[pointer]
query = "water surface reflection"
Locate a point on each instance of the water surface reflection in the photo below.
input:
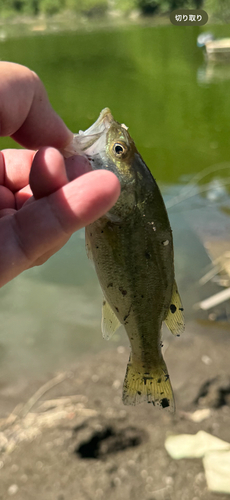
(148, 77)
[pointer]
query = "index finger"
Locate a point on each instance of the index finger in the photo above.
(25, 111)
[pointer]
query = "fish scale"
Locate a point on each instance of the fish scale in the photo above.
(132, 250)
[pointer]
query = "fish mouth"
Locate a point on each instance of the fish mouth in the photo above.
(92, 140)
(101, 124)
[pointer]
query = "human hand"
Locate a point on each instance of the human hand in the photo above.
(43, 199)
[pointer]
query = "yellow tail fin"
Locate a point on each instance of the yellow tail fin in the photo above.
(153, 387)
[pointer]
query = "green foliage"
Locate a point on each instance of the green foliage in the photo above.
(51, 6)
(88, 7)
(149, 7)
(125, 5)
(12, 5)
(218, 9)
(96, 7)
(19, 7)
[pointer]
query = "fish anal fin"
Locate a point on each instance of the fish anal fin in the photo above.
(109, 322)
(175, 317)
(152, 387)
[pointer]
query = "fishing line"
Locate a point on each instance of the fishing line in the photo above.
(192, 184)
(226, 182)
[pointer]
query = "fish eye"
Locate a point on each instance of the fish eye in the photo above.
(119, 149)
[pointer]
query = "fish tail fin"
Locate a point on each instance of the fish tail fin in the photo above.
(153, 387)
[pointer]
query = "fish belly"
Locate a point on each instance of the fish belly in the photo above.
(136, 274)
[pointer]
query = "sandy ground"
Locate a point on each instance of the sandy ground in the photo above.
(83, 444)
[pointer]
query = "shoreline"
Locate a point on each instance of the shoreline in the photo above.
(72, 22)
(77, 439)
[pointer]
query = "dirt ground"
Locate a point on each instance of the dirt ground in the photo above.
(77, 441)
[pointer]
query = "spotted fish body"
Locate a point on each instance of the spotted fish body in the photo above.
(132, 250)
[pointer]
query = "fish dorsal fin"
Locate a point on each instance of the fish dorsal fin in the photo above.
(109, 321)
(175, 318)
(88, 245)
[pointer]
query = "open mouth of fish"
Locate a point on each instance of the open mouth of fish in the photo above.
(92, 140)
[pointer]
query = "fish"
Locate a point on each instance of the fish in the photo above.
(131, 247)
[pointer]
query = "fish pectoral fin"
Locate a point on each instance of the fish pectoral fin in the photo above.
(175, 317)
(88, 245)
(152, 387)
(109, 321)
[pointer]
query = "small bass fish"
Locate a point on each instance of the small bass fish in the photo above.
(132, 250)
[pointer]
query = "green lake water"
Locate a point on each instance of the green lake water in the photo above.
(177, 107)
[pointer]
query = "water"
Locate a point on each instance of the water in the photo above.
(177, 108)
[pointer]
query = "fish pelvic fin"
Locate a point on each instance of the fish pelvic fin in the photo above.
(109, 322)
(152, 386)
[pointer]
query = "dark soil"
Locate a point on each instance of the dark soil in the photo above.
(118, 452)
